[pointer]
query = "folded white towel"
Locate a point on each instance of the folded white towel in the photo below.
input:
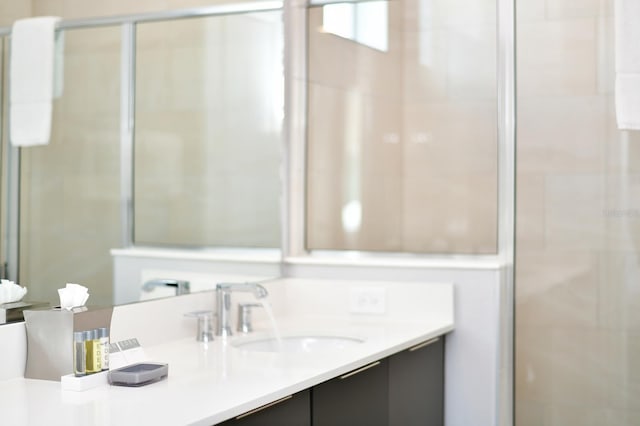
(627, 51)
(31, 80)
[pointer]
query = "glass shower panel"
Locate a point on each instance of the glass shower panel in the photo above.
(70, 189)
(402, 138)
(209, 110)
(577, 354)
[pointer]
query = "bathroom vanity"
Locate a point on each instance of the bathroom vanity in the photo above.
(403, 389)
(384, 368)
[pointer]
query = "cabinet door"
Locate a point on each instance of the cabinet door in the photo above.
(359, 398)
(290, 411)
(416, 385)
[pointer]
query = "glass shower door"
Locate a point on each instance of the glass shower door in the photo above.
(208, 136)
(70, 188)
(577, 353)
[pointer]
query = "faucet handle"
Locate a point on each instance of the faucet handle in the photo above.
(244, 316)
(205, 325)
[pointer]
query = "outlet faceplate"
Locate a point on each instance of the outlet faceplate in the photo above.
(367, 300)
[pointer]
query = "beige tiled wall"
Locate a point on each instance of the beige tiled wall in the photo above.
(578, 218)
(10, 10)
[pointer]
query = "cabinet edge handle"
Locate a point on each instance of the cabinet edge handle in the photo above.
(359, 370)
(264, 407)
(423, 344)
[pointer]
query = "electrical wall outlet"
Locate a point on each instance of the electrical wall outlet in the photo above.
(367, 300)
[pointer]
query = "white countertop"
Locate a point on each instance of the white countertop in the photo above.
(209, 383)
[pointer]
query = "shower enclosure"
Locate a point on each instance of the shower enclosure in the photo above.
(577, 351)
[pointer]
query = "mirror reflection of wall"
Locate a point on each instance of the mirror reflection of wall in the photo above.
(402, 137)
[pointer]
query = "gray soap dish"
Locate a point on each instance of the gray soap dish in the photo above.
(139, 374)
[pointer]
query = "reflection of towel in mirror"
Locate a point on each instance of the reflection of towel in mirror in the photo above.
(627, 51)
(31, 80)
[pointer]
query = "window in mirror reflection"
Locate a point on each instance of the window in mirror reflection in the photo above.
(365, 23)
(209, 110)
(402, 140)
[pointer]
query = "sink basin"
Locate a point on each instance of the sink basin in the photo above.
(298, 344)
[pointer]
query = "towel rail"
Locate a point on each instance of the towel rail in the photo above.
(214, 10)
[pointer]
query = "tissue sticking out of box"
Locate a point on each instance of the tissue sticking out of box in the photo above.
(72, 296)
(11, 292)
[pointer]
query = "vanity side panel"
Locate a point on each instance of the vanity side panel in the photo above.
(14, 359)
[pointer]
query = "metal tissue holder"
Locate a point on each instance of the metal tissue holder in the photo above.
(50, 338)
(13, 311)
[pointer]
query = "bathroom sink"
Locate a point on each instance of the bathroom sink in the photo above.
(298, 344)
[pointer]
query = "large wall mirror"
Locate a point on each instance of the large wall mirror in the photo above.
(207, 146)
(400, 122)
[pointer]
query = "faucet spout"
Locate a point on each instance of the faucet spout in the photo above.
(181, 286)
(223, 302)
(258, 291)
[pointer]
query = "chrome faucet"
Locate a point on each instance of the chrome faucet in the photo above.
(223, 302)
(182, 287)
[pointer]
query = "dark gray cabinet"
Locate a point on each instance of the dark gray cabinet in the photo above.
(290, 411)
(358, 398)
(416, 385)
(405, 389)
